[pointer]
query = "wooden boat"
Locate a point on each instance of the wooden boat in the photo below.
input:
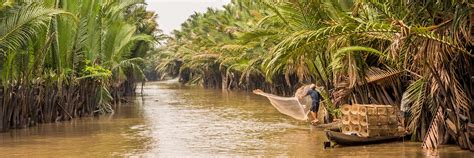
(350, 140)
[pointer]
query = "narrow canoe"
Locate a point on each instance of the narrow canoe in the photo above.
(351, 140)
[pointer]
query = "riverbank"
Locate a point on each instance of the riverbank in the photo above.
(23, 106)
(171, 120)
(61, 60)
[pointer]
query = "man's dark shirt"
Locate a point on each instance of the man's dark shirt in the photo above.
(315, 96)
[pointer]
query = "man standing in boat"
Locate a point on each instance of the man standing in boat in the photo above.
(315, 98)
(291, 106)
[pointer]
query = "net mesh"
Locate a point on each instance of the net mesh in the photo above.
(297, 106)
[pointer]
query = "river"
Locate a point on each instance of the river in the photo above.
(170, 120)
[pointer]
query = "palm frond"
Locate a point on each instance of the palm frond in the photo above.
(431, 140)
(413, 100)
(20, 27)
(343, 52)
(376, 75)
(104, 99)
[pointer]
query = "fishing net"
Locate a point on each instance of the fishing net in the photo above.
(297, 106)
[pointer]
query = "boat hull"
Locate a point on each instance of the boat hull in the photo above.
(350, 140)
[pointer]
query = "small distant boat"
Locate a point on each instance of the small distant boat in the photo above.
(351, 140)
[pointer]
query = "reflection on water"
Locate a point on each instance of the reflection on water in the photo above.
(170, 120)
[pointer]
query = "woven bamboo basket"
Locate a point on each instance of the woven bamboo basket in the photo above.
(362, 111)
(355, 109)
(369, 120)
(346, 109)
(346, 129)
(363, 120)
(354, 119)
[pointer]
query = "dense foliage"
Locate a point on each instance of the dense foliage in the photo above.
(61, 59)
(415, 55)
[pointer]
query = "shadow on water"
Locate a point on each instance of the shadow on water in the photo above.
(174, 120)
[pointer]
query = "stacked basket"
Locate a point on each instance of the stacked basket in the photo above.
(369, 120)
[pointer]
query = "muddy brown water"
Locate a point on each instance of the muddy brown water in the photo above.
(171, 120)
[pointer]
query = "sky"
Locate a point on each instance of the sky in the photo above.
(172, 13)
